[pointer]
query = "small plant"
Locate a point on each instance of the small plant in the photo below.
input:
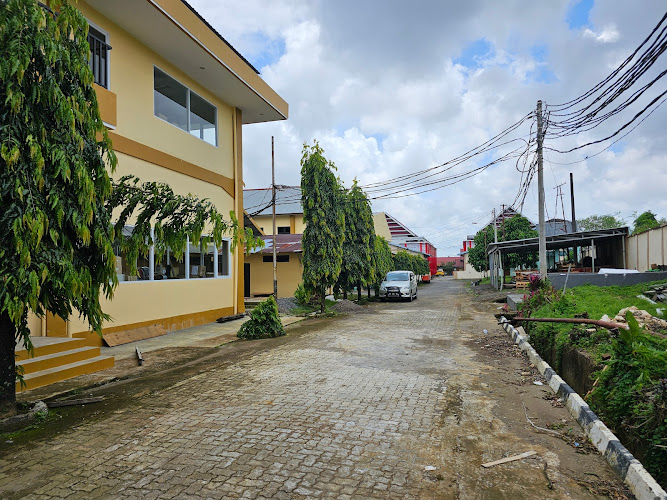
(264, 322)
(302, 296)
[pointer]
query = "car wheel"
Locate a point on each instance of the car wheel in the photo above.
(410, 299)
(415, 295)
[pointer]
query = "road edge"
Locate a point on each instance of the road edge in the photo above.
(641, 483)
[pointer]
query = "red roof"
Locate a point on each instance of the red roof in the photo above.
(285, 243)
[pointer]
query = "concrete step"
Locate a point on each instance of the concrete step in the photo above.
(64, 372)
(44, 362)
(48, 345)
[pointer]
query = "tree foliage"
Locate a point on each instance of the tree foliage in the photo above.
(404, 261)
(56, 237)
(644, 222)
(56, 232)
(516, 228)
(324, 234)
(597, 222)
(356, 267)
(382, 260)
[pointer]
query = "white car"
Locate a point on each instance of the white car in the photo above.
(399, 285)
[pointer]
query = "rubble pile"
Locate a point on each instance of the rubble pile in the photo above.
(657, 293)
(644, 318)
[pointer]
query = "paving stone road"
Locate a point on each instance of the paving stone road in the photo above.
(354, 407)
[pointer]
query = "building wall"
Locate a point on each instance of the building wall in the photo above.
(381, 226)
(261, 275)
(468, 272)
(154, 150)
(294, 221)
(647, 249)
(131, 79)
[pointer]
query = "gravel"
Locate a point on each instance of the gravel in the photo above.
(286, 304)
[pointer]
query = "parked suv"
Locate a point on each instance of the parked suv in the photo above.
(399, 285)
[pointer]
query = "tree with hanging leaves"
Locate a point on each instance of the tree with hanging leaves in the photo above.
(382, 263)
(56, 230)
(356, 267)
(324, 234)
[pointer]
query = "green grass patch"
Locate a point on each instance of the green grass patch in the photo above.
(631, 396)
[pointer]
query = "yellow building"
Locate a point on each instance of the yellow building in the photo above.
(258, 268)
(174, 96)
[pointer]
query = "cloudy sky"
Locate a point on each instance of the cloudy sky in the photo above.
(391, 87)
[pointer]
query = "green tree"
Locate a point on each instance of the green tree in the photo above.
(402, 261)
(56, 234)
(382, 262)
(516, 228)
(323, 215)
(419, 265)
(596, 222)
(644, 222)
(356, 267)
(448, 268)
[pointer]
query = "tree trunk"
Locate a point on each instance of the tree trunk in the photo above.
(358, 292)
(323, 300)
(369, 291)
(7, 366)
(345, 293)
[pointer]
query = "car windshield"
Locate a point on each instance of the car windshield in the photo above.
(398, 277)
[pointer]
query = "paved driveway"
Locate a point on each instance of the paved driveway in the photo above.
(405, 400)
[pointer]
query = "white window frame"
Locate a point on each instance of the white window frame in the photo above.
(187, 101)
(186, 259)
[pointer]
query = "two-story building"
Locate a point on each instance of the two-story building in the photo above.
(174, 95)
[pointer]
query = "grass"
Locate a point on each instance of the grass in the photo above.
(595, 302)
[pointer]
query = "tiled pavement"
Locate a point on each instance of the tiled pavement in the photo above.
(350, 410)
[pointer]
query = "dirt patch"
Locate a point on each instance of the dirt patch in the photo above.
(347, 306)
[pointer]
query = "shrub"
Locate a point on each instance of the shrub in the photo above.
(302, 296)
(632, 394)
(264, 322)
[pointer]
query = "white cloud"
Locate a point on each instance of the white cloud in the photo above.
(606, 35)
(377, 86)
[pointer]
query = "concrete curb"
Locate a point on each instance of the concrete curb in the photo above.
(641, 483)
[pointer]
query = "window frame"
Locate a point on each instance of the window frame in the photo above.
(186, 259)
(107, 37)
(187, 108)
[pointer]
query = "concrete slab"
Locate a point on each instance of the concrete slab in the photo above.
(209, 335)
(514, 299)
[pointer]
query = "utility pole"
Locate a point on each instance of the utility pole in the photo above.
(495, 240)
(273, 187)
(542, 254)
(574, 219)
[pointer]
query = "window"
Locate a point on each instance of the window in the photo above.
(283, 230)
(223, 259)
(178, 105)
(279, 258)
(99, 56)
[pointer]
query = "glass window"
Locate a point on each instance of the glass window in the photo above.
(202, 119)
(171, 100)
(201, 260)
(223, 259)
(178, 105)
(169, 268)
(99, 56)
(283, 230)
(279, 258)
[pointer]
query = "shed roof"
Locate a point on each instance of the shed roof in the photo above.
(558, 241)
